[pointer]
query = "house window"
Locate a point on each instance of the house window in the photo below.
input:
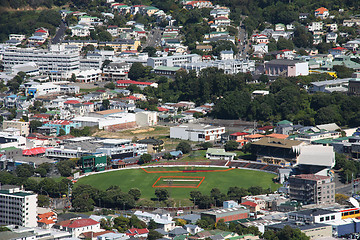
(321, 219)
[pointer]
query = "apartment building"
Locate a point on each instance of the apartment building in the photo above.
(230, 66)
(116, 71)
(312, 189)
(17, 207)
(22, 126)
(171, 61)
(55, 59)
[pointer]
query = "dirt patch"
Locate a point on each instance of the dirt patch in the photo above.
(143, 130)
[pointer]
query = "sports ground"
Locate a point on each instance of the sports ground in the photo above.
(180, 181)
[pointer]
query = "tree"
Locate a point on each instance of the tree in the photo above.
(73, 78)
(152, 225)
(65, 167)
(121, 223)
(106, 104)
(135, 192)
(43, 201)
(153, 235)
(302, 38)
(151, 51)
(145, 158)
(162, 194)
(287, 233)
(137, 71)
(342, 71)
(180, 222)
(184, 147)
(110, 85)
(34, 124)
(231, 145)
(205, 202)
(83, 203)
(341, 198)
(218, 196)
(205, 145)
(41, 171)
(62, 132)
(24, 170)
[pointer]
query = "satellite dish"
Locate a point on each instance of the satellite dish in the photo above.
(354, 202)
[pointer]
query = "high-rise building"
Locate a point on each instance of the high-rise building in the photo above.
(58, 61)
(312, 189)
(17, 207)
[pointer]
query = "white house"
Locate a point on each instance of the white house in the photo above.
(78, 226)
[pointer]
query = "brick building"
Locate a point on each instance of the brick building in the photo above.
(228, 214)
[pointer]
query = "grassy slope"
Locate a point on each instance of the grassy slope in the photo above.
(127, 179)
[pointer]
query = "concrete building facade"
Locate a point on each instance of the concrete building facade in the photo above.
(17, 207)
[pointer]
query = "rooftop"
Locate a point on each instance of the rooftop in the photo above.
(310, 177)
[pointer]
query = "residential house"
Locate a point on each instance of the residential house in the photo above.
(331, 37)
(78, 226)
(322, 13)
(338, 51)
(116, 71)
(222, 21)
(260, 38)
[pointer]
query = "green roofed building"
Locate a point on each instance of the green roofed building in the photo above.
(96, 162)
(219, 154)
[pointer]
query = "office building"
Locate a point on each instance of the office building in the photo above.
(312, 189)
(17, 207)
(197, 132)
(121, 148)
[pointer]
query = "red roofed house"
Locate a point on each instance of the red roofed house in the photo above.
(260, 38)
(338, 51)
(161, 109)
(253, 207)
(47, 220)
(222, 21)
(321, 13)
(136, 232)
(265, 129)
(238, 136)
(141, 85)
(93, 235)
(78, 226)
(40, 117)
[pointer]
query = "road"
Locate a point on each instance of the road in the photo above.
(154, 38)
(243, 43)
(59, 34)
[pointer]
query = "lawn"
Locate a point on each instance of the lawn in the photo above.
(138, 178)
(195, 156)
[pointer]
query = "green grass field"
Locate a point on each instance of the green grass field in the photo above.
(138, 178)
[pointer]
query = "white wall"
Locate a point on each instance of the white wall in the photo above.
(179, 132)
